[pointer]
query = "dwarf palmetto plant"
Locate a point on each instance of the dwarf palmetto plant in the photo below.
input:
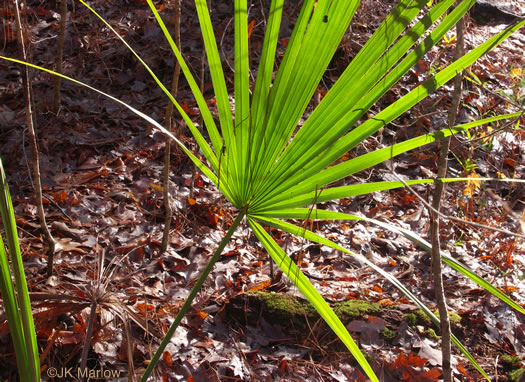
(271, 169)
(15, 296)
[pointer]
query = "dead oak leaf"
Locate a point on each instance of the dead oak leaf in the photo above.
(409, 367)
(67, 244)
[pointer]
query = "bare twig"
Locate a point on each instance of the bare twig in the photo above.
(60, 53)
(168, 121)
(34, 147)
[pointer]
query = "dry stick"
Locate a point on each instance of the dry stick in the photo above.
(168, 120)
(436, 204)
(60, 53)
(34, 148)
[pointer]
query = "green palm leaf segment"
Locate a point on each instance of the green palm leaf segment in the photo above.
(15, 295)
(266, 164)
(301, 231)
(308, 290)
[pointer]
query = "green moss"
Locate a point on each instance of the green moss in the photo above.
(411, 319)
(453, 317)
(355, 309)
(422, 318)
(513, 364)
(431, 333)
(417, 317)
(510, 361)
(286, 309)
(387, 334)
(515, 375)
(289, 310)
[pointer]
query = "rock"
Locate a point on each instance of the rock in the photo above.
(486, 12)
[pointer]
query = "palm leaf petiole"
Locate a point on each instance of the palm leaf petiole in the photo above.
(191, 296)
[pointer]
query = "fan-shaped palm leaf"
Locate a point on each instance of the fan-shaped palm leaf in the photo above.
(268, 167)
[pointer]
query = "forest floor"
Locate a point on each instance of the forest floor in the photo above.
(101, 170)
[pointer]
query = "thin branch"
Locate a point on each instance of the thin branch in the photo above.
(439, 187)
(60, 52)
(33, 143)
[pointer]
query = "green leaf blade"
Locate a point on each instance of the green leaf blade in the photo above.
(300, 231)
(311, 294)
(17, 306)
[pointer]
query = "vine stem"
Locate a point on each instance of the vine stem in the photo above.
(191, 296)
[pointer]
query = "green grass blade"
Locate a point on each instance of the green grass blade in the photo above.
(242, 94)
(345, 103)
(335, 193)
(263, 130)
(461, 268)
(308, 290)
(466, 271)
(422, 91)
(230, 167)
(261, 92)
(314, 41)
(265, 71)
(14, 320)
(352, 166)
(21, 316)
(504, 180)
(187, 303)
(216, 72)
(356, 81)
